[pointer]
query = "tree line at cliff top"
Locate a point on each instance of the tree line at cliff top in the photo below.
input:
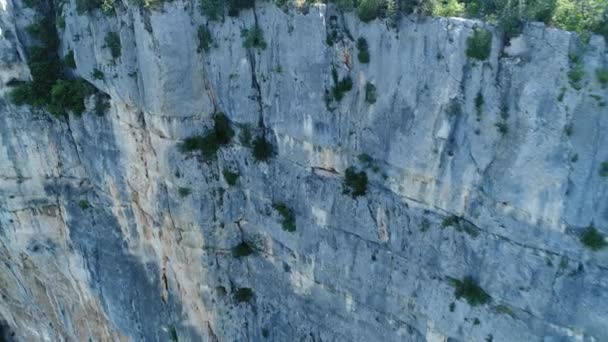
(582, 16)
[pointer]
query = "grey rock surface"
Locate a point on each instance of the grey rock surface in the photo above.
(97, 243)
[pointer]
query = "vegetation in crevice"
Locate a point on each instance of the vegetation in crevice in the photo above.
(572, 15)
(97, 74)
(210, 142)
(468, 289)
(479, 44)
(593, 239)
(243, 249)
(370, 93)
(340, 87)
(112, 42)
(254, 38)
(245, 135)
(52, 88)
(355, 183)
(184, 191)
(604, 169)
(243, 294)
(363, 48)
(460, 224)
(84, 204)
(602, 76)
(576, 73)
(262, 149)
(230, 177)
(205, 40)
(288, 218)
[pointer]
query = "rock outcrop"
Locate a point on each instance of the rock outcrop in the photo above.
(108, 231)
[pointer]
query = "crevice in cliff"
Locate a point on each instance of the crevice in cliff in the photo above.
(73, 140)
(255, 85)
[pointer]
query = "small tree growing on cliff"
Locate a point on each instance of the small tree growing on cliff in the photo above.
(368, 9)
(468, 289)
(355, 183)
(593, 239)
(254, 38)
(113, 43)
(213, 9)
(479, 44)
(262, 149)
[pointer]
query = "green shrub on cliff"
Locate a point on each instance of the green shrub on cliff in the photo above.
(593, 239)
(602, 76)
(355, 183)
(112, 41)
(369, 10)
(254, 38)
(604, 169)
(479, 44)
(288, 221)
(50, 89)
(363, 48)
(204, 39)
(230, 177)
(243, 294)
(468, 289)
(262, 149)
(213, 9)
(210, 142)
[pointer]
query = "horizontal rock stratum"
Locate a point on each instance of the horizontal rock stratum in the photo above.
(483, 178)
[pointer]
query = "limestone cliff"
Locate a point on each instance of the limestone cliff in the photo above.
(108, 231)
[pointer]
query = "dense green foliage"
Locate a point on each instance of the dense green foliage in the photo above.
(51, 88)
(479, 44)
(355, 183)
(468, 289)
(593, 239)
(340, 86)
(288, 221)
(573, 15)
(369, 9)
(222, 128)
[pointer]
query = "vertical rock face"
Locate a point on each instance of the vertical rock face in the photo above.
(484, 169)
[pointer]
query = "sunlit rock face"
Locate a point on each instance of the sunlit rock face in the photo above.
(109, 231)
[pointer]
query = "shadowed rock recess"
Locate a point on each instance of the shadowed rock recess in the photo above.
(474, 206)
